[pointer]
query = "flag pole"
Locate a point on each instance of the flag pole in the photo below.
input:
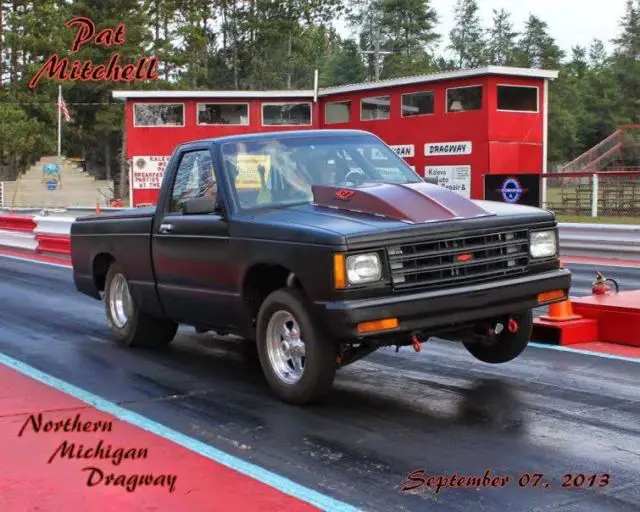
(59, 120)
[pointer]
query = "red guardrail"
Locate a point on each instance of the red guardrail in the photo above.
(55, 244)
(17, 222)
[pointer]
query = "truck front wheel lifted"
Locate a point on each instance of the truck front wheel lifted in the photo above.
(507, 343)
(128, 324)
(298, 362)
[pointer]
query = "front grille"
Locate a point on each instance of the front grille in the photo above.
(470, 259)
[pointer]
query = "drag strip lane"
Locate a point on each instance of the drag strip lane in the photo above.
(548, 412)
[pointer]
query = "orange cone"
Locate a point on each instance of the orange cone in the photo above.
(560, 311)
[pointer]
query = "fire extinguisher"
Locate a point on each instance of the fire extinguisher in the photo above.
(600, 286)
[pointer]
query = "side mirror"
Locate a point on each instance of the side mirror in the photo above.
(201, 206)
(431, 179)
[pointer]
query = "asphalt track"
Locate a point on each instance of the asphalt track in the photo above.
(548, 412)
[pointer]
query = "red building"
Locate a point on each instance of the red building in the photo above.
(459, 126)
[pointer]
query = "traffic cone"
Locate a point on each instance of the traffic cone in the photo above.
(561, 311)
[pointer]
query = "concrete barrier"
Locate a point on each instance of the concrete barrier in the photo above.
(17, 231)
(48, 231)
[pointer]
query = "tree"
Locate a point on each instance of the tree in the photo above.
(343, 66)
(536, 48)
(467, 37)
(501, 40)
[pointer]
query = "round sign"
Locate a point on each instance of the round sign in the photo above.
(511, 190)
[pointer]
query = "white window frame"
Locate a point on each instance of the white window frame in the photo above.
(198, 123)
(446, 98)
(432, 92)
(378, 118)
(537, 88)
(280, 103)
(184, 115)
(348, 102)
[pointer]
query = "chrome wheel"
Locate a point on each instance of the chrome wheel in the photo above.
(285, 348)
(119, 301)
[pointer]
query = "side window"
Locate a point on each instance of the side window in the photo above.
(195, 178)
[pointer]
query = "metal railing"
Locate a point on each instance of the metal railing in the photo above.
(593, 194)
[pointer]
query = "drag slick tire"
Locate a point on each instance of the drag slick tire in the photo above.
(298, 362)
(507, 345)
(129, 326)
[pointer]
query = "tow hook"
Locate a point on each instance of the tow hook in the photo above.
(416, 343)
(512, 326)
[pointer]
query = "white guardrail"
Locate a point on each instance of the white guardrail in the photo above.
(608, 241)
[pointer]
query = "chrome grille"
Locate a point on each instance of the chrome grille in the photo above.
(462, 260)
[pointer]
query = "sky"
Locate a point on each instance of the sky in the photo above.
(571, 22)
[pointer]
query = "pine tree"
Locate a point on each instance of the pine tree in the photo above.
(501, 40)
(467, 37)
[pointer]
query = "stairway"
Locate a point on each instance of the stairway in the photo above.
(609, 153)
(72, 187)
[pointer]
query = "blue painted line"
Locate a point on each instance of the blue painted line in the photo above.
(274, 480)
(561, 348)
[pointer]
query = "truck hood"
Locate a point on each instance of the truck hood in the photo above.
(412, 203)
(381, 211)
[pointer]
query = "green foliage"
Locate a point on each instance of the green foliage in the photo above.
(277, 44)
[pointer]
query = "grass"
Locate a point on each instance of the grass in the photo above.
(598, 220)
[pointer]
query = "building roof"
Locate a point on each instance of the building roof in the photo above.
(326, 91)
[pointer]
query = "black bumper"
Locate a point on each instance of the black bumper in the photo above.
(441, 309)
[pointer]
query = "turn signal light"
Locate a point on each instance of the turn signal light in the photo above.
(377, 325)
(339, 272)
(552, 295)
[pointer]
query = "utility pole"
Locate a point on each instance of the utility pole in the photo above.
(375, 36)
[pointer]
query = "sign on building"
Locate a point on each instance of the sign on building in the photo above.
(148, 171)
(405, 151)
(452, 177)
(447, 148)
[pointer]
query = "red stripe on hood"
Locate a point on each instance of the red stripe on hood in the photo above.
(413, 202)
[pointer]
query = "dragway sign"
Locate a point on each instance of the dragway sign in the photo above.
(447, 148)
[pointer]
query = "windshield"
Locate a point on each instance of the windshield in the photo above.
(278, 172)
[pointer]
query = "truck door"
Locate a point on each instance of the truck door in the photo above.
(191, 252)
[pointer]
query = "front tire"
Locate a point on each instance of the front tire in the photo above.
(129, 326)
(297, 360)
(507, 345)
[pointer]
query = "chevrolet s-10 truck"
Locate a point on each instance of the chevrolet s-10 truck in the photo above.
(321, 246)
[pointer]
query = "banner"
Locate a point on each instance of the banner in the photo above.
(513, 188)
(147, 171)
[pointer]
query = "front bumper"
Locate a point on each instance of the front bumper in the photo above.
(440, 309)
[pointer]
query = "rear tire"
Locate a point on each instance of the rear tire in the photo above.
(129, 326)
(508, 345)
(285, 331)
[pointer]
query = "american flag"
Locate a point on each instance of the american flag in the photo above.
(65, 110)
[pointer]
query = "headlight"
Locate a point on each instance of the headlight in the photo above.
(363, 268)
(543, 244)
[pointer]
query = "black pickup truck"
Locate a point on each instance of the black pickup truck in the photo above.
(321, 246)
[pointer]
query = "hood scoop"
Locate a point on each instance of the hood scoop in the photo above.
(413, 203)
